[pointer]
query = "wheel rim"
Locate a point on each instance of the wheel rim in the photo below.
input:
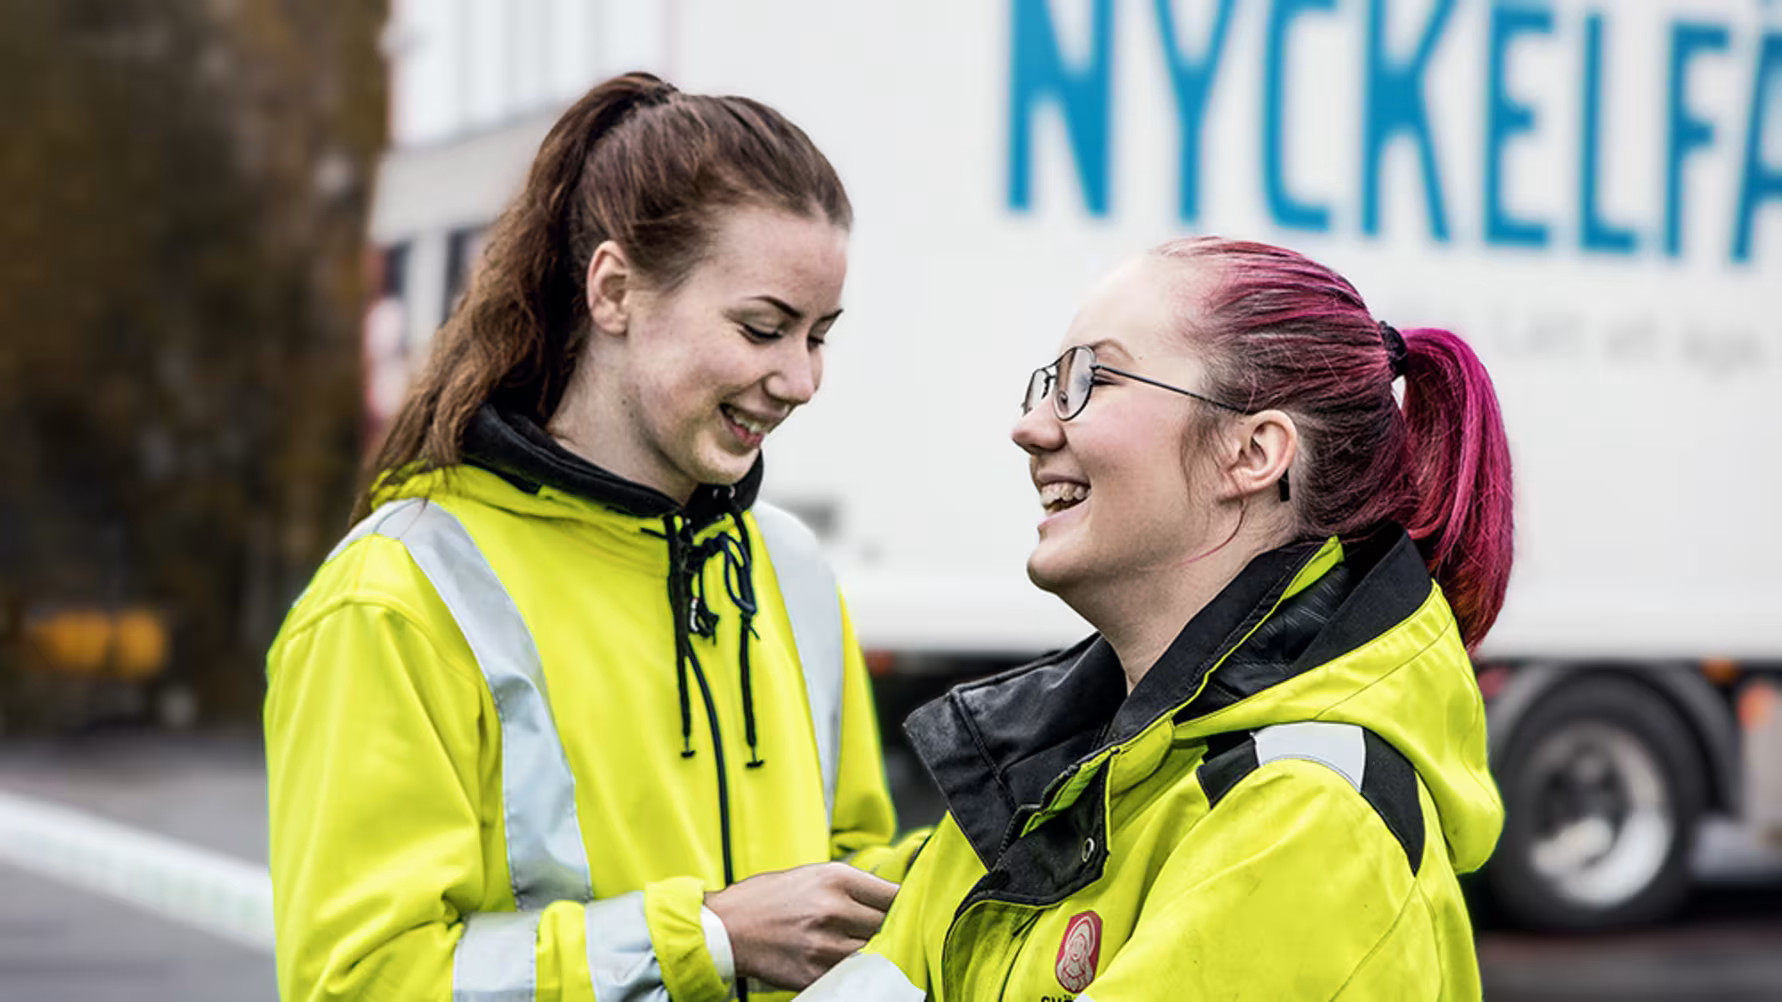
(1602, 814)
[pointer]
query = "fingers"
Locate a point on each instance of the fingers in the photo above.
(845, 947)
(789, 926)
(867, 889)
(832, 950)
(856, 921)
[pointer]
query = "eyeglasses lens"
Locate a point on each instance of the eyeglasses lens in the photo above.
(1039, 387)
(1076, 377)
(1067, 382)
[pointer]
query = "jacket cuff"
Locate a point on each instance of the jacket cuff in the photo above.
(866, 977)
(673, 911)
(717, 943)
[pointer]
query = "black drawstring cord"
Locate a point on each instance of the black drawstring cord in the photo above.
(755, 760)
(739, 581)
(692, 614)
(701, 620)
(679, 612)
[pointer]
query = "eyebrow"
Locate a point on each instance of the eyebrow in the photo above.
(788, 310)
(1110, 343)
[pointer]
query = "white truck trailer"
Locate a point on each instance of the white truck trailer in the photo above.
(1590, 192)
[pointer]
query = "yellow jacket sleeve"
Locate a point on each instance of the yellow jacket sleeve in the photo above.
(865, 823)
(371, 739)
(377, 790)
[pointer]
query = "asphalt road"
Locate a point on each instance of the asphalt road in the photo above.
(1727, 947)
(63, 945)
(59, 944)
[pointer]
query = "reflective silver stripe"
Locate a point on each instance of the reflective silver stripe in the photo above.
(368, 525)
(375, 523)
(864, 977)
(494, 961)
(621, 959)
(546, 859)
(1342, 747)
(814, 607)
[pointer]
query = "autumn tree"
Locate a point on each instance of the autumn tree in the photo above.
(183, 195)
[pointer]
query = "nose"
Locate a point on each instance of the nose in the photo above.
(1038, 431)
(796, 375)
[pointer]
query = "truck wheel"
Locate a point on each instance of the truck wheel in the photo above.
(1603, 788)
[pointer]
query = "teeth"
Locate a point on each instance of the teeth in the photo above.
(748, 423)
(1058, 496)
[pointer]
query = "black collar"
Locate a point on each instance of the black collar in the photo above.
(522, 453)
(997, 747)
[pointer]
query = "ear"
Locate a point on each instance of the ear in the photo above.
(1266, 443)
(611, 288)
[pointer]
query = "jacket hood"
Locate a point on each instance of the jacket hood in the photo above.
(1308, 631)
(525, 455)
(510, 463)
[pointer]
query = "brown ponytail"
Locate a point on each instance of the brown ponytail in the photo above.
(635, 161)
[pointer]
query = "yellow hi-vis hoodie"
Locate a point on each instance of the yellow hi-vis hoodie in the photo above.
(1277, 811)
(522, 720)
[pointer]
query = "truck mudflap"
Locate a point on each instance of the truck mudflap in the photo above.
(1760, 718)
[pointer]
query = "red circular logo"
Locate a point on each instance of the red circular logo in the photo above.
(1080, 952)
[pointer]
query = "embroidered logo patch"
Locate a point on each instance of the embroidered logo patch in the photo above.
(1080, 952)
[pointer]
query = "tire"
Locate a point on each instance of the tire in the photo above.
(1603, 787)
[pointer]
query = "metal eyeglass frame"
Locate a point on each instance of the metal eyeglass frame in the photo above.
(1047, 376)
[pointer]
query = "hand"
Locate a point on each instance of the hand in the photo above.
(788, 927)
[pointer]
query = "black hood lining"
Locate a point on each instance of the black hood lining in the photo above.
(1060, 857)
(515, 448)
(996, 748)
(993, 747)
(1394, 585)
(1212, 634)
(1381, 582)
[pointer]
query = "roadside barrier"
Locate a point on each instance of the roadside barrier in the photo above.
(219, 894)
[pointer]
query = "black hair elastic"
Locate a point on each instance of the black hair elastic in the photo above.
(1396, 352)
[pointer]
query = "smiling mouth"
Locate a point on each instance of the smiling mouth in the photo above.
(753, 426)
(1059, 496)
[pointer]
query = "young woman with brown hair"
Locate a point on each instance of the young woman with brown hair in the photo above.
(568, 715)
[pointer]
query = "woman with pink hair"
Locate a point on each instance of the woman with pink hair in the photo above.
(1261, 776)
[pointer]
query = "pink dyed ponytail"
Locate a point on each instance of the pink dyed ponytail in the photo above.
(1461, 461)
(1280, 330)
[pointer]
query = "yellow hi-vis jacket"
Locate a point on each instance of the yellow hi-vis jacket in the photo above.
(1277, 811)
(516, 731)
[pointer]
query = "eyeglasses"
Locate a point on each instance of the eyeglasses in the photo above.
(1069, 380)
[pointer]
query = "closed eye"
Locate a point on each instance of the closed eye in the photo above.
(757, 334)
